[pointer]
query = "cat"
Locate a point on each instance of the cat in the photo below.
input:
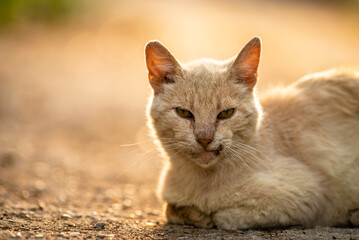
(239, 162)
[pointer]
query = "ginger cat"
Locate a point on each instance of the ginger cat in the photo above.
(236, 162)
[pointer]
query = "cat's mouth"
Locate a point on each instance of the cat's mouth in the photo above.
(218, 150)
(207, 156)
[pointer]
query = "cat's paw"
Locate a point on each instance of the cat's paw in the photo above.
(354, 218)
(229, 219)
(200, 219)
(188, 215)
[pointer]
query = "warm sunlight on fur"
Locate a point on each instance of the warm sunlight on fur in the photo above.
(234, 162)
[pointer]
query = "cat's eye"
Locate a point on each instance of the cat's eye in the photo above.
(225, 114)
(184, 113)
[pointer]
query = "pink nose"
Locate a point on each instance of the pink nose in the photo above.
(204, 142)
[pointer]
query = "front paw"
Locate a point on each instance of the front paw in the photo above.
(229, 219)
(188, 215)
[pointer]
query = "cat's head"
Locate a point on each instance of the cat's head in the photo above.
(203, 110)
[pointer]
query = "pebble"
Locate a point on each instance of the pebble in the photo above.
(116, 206)
(127, 203)
(138, 213)
(41, 206)
(39, 236)
(100, 225)
(13, 236)
(95, 219)
(152, 212)
(65, 216)
(74, 234)
(23, 215)
(60, 235)
(150, 224)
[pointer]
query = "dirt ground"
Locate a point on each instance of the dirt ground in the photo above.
(39, 201)
(76, 159)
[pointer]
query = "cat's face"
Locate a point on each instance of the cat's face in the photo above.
(200, 110)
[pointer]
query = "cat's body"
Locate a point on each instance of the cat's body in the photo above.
(295, 161)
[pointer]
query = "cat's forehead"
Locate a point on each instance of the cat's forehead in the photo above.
(205, 84)
(205, 70)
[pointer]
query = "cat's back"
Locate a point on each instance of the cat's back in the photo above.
(336, 88)
(327, 99)
(317, 93)
(325, 105)
(316, 120)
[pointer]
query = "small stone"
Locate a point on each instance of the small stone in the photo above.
(150, 224)
(23, 215)
(153, 213)
(25, 194)
(126, 204)
(116, 206)
(13, 236)
(74, 234)
(65, 216)
(100, 225)
(71, 224)
(39, 236)
(138, 213)
(40, 185)
(60, 235)
(95, 219)
(41, 206)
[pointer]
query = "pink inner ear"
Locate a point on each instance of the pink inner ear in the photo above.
(246, 64)
(158, 68)
(160, 63)
(155, 83)
(248, 61)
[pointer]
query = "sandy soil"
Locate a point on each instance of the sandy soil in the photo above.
(73, 98)
(38, 202)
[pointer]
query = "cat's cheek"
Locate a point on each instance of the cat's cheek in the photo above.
(223, 137)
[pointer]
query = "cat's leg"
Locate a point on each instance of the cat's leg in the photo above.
(241, 218)
(188, 215)
(270, 211)
(354, 218)
(277, 200)
(232, 219)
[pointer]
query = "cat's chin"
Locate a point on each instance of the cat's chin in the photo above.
(206, 159)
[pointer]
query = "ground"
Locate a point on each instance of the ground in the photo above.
(76, 159)
(38, 203)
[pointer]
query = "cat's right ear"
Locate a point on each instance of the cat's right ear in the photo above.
(245, 66)
(161, 64)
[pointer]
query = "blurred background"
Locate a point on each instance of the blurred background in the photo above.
(74, 88)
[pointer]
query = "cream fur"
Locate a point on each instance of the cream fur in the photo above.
(295, 164)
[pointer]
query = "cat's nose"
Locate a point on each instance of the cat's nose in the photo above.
(204, 142)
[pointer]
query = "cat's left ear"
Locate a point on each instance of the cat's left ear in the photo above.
(245, 66)
(161, 64)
